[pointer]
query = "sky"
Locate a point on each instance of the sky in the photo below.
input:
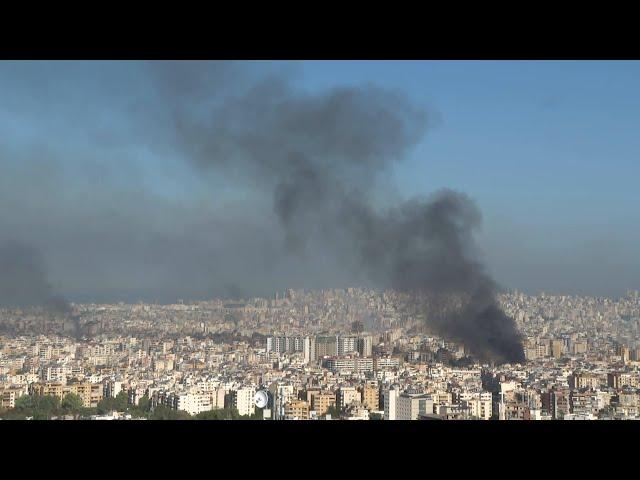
(548, 150)
(94, 176)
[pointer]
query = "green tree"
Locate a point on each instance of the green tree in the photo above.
(48, 404)
(36, 406)
(257, 415)
(334, 411)
(141, 410)
(25, 402)
(13, 414)
(86, 412)
(219, 414)
(162, 412)
(106, 405)
(119, 404)
(122, 401)
(71, 404)
(144, 403)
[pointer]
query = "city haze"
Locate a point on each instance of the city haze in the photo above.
(319, 241)
(96, 179)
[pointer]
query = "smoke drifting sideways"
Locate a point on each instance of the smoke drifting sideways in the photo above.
(324, 159)
(24, 282)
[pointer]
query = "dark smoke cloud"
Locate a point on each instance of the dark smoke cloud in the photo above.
(289, 189)
(24, 281)
(321, 157)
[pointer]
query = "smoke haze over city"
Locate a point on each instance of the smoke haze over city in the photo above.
(321, 160)
(319, 240)
(105, 147)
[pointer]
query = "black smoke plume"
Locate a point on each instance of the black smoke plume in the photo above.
(324, 160)
(24, 282)
(22, 277)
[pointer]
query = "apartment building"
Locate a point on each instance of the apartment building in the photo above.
(296, 410)
(410, 406)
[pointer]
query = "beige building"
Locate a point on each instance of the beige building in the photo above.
(579, 347)
(90, 393)
(623, 379)
(557, 348)
(542, 350)
(371, 397)
(347, 396)
(217, 398)
(326, 346)
(296, 410)
(9, 395)
(586, 380)
(624, 353)
(321, 401)
(480, 404)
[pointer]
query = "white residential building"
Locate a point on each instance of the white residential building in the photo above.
(242, 400)
(194, 403)
(390, 403)
(411, 405)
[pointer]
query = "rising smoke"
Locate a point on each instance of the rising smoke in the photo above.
(311, 204)
(23, 279)
(24, 283)
(323, 158)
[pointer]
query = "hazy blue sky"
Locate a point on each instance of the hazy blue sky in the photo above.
(548, 150)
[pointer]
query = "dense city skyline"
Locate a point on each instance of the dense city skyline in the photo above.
(352, 354)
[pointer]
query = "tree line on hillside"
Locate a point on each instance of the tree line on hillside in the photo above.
(48, 407)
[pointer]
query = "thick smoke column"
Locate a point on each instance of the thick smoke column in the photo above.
(23, 280)
(323, 159)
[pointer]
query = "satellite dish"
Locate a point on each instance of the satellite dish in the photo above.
(261, 399)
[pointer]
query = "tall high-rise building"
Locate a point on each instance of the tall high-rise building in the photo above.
(365, 345)
(285, 344)
(326, 346)
(557, 348)
(347, 344)
(309, 349)
(623, 351)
